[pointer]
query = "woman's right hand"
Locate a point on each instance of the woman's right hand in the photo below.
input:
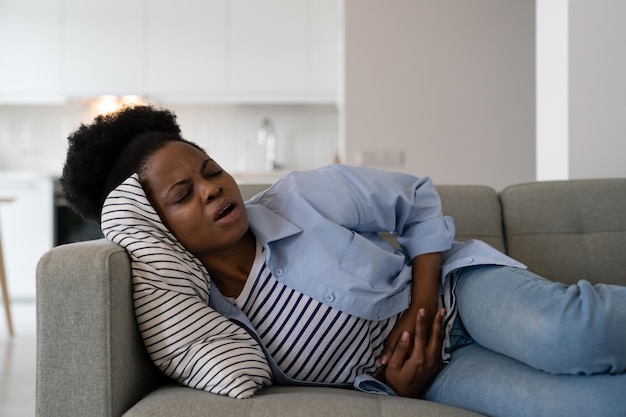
(408, 373)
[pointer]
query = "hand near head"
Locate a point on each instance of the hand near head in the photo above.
(411, 368)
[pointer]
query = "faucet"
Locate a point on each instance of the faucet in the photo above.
(267, 138)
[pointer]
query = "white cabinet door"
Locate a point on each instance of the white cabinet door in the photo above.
(103, 43)
(185, 48)
(325, 46)
(30, 51)
(268, 46)
(27, 230)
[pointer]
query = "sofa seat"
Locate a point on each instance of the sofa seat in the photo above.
(175, 400)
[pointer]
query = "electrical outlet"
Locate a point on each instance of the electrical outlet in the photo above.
(382, 158)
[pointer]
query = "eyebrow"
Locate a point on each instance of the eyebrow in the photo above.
(185, 181)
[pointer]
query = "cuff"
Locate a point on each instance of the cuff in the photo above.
(369, 384)
(434, 235)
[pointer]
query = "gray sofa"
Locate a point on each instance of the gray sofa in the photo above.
(91, 361)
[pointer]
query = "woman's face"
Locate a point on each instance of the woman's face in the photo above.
(198, 201)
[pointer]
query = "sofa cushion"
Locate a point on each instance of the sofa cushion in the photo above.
(174, 400)
(476, 211)
(568, 230)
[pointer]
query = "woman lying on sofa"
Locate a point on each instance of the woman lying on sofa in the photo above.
(296, 286)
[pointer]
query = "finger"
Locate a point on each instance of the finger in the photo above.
(420, 336)
(435, 342)
(398, 356)
(390, 346)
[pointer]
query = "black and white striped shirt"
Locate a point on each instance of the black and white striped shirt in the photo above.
(308, 340)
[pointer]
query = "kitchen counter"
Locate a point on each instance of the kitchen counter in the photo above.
(8, 176)
(259, 177)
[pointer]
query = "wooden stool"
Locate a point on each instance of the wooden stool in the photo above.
(3, 281)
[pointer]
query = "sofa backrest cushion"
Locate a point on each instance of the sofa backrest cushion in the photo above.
(476, 211)
(249, 190)
(568, 230)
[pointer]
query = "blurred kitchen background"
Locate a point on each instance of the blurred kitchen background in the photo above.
(486, 92)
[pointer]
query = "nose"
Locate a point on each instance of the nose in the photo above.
(210, 191)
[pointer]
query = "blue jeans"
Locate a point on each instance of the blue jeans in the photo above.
(526, 346)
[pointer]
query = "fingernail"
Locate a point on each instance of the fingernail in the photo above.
(383, 360)
(405, 336)
(422, 312)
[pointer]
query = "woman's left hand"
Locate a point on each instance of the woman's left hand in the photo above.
(411, 368)
(424, 295)
(406, 323)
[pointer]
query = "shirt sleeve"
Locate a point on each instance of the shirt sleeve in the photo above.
(404, 205)
(371, 385)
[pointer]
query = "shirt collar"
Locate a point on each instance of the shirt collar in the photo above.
(268, 225)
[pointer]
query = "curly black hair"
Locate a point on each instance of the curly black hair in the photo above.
(101, 155)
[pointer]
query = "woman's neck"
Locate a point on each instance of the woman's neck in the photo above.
(229, 268)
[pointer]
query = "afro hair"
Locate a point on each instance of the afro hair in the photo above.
(92, 167)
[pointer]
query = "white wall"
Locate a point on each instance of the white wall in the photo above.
(597, 88)
(552, 88)
(451, 83)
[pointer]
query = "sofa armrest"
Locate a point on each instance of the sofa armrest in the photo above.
(90, 358)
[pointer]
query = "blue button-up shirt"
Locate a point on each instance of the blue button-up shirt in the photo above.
(321, 233)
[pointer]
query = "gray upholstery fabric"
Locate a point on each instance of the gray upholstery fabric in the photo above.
(90, 358)
(176, 401)
(568, 230)
(476, 211)
(250, 190)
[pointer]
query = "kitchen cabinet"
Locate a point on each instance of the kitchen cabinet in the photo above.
(30, 51)
(27, 228)
(243, 50)
(268, 46)
(284, 48)
(170, 51)
(325, 48)
(185, 49)
(103, 48)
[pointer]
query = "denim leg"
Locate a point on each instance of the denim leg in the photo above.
(481, 380)
(576, 329)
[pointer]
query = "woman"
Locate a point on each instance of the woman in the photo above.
(303, 289)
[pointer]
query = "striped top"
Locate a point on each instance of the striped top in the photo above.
(308, 340)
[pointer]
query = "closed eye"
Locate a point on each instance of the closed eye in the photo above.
(213, 173)
(183, 196)
(178, 192)
(210, 169)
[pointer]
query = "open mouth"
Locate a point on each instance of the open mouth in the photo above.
(225, 211)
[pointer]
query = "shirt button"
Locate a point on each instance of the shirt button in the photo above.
(469, 260)
(329, 298)
(279, 272)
